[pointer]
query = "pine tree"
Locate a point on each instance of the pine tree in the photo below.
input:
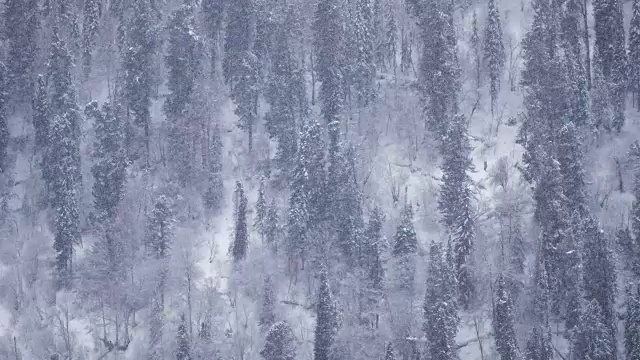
(215, 187)
(632, 326)
(280, 343)
(160, 233)
(90, 28)
(634, 51)
(599, 276)
(593, 340)
(110, 160)
(364, 59)
(494, 54)
(4, 124)
(267, 311)
(137, 61)
(272, 228)
(538, 345)
(503, 323)
(455, 204)
(213, 14)
(439, 74)
(64, 178)
(576, 73)
(182, 60)
(182, 338)
(241, 234)
(238, 40)
(21, 25)
(259, 222)
(610, 45)
(286, 94)
(326, 321)
(388, 355)
(440, 309)
(40, 109)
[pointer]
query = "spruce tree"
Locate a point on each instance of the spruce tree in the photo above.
(440, 309)
(182, 338)
(21, 25)
(388, 354)
(494, 54)
(503, 323)
(238, 40)
(391, 42)
(455, 204)
(240, 234)
(326, 321)
(593, 340)
(267, 311)
(272, 227)
(64, 178)
(475, 44)
(90, 28)
(213, 14)
(137, 62)
(538, 345)
(160, 229)
(406, 241)
(372, 257)
(183, 62)
(364, 59)
(634, 51)
(109, 158)
(610, 46)
(215, 187)
(4, 124)
(346, 211)
(280, 343)
(40, 109)
(632, 326)
(245, 91)
(259, 222)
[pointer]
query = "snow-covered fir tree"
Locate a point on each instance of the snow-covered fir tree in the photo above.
(326, 321)
(182, 338)
(240, 232)
(21, 24)
(494, 55)
(280, 343)
(4, 121)
(503, 323)
(90, 29)
(632, 325)
(634, 51)
(593, 340)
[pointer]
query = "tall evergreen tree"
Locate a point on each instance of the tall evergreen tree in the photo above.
(406, 241)
(494, 55)
(64, 179)
(245, 91)
(372, 256)
(4, 123)
(593, 339)
(259, 222)
(213, 14)
(238, 39)
(538, 345)
(160, 229)
(455, 204)
(475, 44)
(391, 42)
(440, 309)
(182, 338)
(610, 45)
(364, 59)
(280, 343)
(388, 354)
(40, 108)
(110, 160)
(346, 211)
(21, 25)
(632, 326)
(634, 51)
(215, 187)
(267, 311)
(272, 227)
(503, 323)
(241, 233)
(326, 321)
(137, 61)
(90, 28)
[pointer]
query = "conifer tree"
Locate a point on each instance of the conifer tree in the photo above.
(137, 61)
(40, 108)
(280, 343)
(455, 204)
(286, 94)
(241, 234)
(364, 67)
(21, 25)
(259, 222)
(4, 124)
(538, 345)
(406, 241)
(326, 321)
(347, 208)
(593, 340)
(64, 178)
(475, 44)
(267, 311)
(632, 326)
(238, 40)
(90, 28)
(388, 355)
(494, 54)
(182, 338)
(245, 91)
(182, 60)
(503, 323)
(635, 206)
(215, 187)
(110, 164)
(634, 51)
(272, 228)
(440, 309)
(391, 42)
(213, 14)
(372, 256)
(160, 232)
(610, 46)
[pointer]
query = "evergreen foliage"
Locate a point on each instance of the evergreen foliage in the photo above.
(632, 326)
(213, 14)
(280, 343)
(538, 345)
(40, 108)
(634, 50)
(267, 311)
(593, 340)
(4, 121)
(245, 91)
(241, 233)
(160, 229)
(406, 241)
(215, 187)
(21, 26)
(326, 322)
(364, 53)
(494, 55)
(182, 338)
(238, 39)
(90, 29)
(388, 355)
(503, 323)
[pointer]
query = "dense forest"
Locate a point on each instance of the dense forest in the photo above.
(320, 179)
